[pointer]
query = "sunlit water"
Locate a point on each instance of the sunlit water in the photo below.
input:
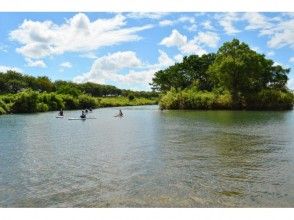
(149, 158)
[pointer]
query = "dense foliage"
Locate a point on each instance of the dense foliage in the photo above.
(29, 101)
(14, 82)
(236, 77)
(26, 94)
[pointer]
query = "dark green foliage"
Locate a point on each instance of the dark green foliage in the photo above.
(86, 101)
(25, 102)
(70, 102)
(249, 80)
(192, 70)
(131, 97)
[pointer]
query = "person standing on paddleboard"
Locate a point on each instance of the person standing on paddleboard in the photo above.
(120, 113)
(83, 115)
(61, 112)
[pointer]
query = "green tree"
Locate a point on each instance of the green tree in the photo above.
(244, 72)
(193, 70)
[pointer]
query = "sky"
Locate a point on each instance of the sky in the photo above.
(126, 49)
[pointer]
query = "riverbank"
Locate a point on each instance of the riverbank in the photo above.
(191, 98)
(31, 101)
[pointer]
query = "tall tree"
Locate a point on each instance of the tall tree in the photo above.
(244, 72)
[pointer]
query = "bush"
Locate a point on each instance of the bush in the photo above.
(4, 107)
(2, 111)
(86, 101)
(270, 99)
(131, 97)
(70, 102)
(26, 102)
(42, 107)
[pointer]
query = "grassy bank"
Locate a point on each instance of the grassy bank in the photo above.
(30, 101)
(267, 99)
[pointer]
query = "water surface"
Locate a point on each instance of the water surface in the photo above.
(149, 158)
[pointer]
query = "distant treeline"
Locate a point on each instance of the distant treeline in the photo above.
(14, 82)
(27, 94)
(235, 77)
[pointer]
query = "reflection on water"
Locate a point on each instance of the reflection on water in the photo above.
(149, 158)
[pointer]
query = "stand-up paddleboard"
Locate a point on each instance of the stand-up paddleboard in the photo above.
(80, 118)
(59, 116)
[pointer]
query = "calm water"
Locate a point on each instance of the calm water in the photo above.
(148, 159)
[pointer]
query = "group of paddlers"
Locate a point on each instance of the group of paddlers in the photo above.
(86, 111)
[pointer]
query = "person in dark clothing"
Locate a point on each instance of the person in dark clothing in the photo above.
(83, 115)
(61, 112)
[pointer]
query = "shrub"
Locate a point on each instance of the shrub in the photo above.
(26, 102)
(131, 97)
(70, 102)
(42, 107)
(86, 101)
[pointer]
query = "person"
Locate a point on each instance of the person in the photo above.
(86, 111)
(61, 112)
(90, 109)
(120, 113)
(83, 115)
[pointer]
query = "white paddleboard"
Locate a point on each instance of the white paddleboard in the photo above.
(59, 116)
(80, 118)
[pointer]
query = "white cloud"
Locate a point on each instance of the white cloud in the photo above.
(181, 19)
(208, 38)
(256, 49)
(290, 83)
(257, 21)
(191, 28)
(176, 39)
(179, 58)
(66, 65)
(207, 25)
(188, 19)
(149, 15)
(35, 63)
(271, 53)
(90, 55)
(106, 67)
(166, 23)
(4, 69)
(227, 21)
(78, 34)
(109, 69)
(291, 60)
(282, 35)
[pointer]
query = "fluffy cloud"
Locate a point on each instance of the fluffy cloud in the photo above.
(207, 25)
(149, 15)
(176, 39)
(66, 65)
(257, 21)
(35, 63)
(166, 23)
(290, 83)
(4, 69)
(109, 69)
(227, 21)
(78, 34)
(208, 38)
(181, 19)
(283, 35)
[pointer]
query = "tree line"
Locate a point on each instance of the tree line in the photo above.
(235, 77)
(14, 82)
(20, 93)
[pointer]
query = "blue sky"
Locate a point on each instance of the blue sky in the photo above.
(126, 49)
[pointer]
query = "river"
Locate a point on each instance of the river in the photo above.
(149, 158)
